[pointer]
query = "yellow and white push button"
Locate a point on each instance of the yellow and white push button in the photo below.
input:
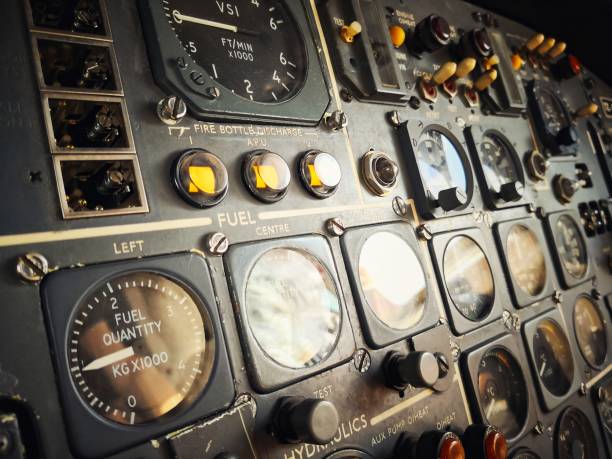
(320, 173)
(267, 175)
(200, 178)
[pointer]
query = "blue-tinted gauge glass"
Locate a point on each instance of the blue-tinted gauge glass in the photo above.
(440, 163)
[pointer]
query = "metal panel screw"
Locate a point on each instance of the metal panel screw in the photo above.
(583, 388)
(171, 110)
(32, 267)
(394, 118)
(424, 233)
(213, 92)
(217, 243)
(336, 120)
(596, 294)
(557, 297)
(539, 428)
(362, 360)
(540, 213)
(414, 102)
(335, 226)
(346, 95)
(400, 207)
(455, 350)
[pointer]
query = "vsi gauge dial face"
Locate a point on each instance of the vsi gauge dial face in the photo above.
(553, 359)
(254, 48)
(440, 163)
(498, 161)
(502, 391)
(590, 332)
(526, 260)
(570, 247)
(468, 278)
(575, 436)
(140, 346)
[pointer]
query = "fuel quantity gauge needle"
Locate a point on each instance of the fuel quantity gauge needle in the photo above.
(109, 359)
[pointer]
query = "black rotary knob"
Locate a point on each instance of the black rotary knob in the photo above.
(432, 33)
(537, 165)
(511, 191)
(564, 188)
(419, 369)
(479, 42)
(567, 136)
(306, 420)
(452, 199)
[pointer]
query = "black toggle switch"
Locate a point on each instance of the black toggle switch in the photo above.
(306, 420)
(418, 369)
(511, 191)
(452, 199)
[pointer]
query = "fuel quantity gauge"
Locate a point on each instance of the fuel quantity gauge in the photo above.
(591, 332)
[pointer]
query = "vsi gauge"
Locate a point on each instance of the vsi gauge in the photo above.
(439, 167)
(498, 167)
(139, 349)
(575, 436)
(553, 120)
(244, 60)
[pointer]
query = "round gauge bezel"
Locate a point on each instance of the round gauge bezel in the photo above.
(600, 313)
(549, 400)
(176, 72)
(567, 280)
(377, 333)
(572, 410)
(209, 357)
(546, 136)
(410, 133)
(475, 136)
(265, 374)
(520, 297)
(459, 323)
(470, 363)
(61, 291)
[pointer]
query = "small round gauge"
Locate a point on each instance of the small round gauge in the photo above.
(440, 163)
(553, 357)
(502, 391)
(252, 47)
(386, 262)
(293, 308)
(139, 346)
(468, 278)
(604, 405)
(526, 260)
(571, 247)
(590, 332)
(575, 437)
(498, 161)
(553, 111)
